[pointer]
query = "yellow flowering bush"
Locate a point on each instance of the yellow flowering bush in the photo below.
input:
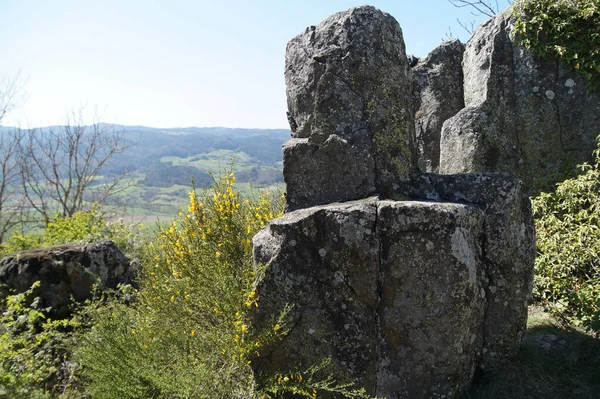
(187, 336)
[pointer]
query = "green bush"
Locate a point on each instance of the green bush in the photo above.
(83, 227)
(567, 221)
(567, 29)
(34, 350)
(186, 335)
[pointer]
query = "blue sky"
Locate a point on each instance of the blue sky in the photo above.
(176, 63)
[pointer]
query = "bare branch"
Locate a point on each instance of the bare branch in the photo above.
(11, 94)
(63, 166)
(481, 7)
(488, 8)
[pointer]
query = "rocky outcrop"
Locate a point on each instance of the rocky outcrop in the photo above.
(524, 115)
(438, 95)
(406, 297)
(348, 104)
(509, 252)
(65, 272)
(409, 291)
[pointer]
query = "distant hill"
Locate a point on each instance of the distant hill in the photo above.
(262, 147)
(163, 162)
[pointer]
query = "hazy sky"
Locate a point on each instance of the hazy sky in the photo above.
(176, 63)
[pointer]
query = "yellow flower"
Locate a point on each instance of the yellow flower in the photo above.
(277, 327)
(193, 333)
(218, 254)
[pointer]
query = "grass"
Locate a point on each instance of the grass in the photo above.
(555, 361)
(213, 160)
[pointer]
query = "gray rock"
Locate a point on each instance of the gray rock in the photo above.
(482, 137)
(65, 272)
(409, 297)
(523, 114)
(432, 302)
(324, 261)
(348, 88)
(508, 251)
(438, 92)
(390, 291)
(454, 280)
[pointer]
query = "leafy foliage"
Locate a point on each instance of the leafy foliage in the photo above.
(568, 29)
(187, 335)
(33, 350)
(84, 227)
(567, 278)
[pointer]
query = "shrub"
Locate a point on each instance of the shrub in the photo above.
(567, 29)
(33, 350)
(567, 221)
(83, 227)
(187, 335)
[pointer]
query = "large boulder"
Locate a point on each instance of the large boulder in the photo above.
(65, 272)
(407, 298)
(438, 96)
(391, 291)
(524, 115)
(350, 110)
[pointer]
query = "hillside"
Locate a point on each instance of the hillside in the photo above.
(161, 163)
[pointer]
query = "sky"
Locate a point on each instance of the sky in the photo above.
(176, 63)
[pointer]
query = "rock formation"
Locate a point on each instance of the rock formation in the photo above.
(524, 115)
(65, 272)
(406, 297)
(348, 101)
(438, 91)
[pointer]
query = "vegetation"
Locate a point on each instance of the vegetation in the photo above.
(33, 350)
(567, 29)
(555, 361)
(567, 278)
(168, 338)
(83, 226)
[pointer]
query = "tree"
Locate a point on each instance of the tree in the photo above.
(60, 167)
(481, 7)
(11, 94)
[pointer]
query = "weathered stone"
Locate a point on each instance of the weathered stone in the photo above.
(324, 261)
(455, 277)
(65, 272)
(482, 136)
(407, 298)
(432, 299)
(438, 95)
(348, 87)
(524, 115)
(508, 251)
(390, 291)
